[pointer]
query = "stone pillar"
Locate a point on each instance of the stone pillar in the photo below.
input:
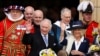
(96, 13)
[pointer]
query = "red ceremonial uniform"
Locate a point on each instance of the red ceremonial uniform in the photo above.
(11, 34)
(89, 30)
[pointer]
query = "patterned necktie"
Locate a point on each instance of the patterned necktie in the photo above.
(46, 40)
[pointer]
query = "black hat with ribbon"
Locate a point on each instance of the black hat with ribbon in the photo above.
(76, 25)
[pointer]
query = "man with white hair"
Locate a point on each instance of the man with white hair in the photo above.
(86, 7)
(59, 29)
(42, 39)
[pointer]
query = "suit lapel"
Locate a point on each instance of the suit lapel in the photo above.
(42, 41)
(81, 45)
(49, 40)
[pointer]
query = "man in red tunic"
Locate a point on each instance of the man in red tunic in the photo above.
(86, 8)
(12, 29)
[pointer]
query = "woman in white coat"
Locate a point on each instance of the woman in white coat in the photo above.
(77, 43)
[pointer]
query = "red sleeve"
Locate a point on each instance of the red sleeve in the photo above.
(1, 34)
(89, 30)
(32, 30)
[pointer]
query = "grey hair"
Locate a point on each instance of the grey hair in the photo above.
(82, 31)
(46, 20)
(65, 10)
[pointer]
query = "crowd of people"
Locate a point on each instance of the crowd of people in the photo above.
(26, 32)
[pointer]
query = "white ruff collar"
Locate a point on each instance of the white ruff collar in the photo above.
(14, 20)
(57, 23)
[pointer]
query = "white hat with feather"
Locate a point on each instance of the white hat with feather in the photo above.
(86, 6)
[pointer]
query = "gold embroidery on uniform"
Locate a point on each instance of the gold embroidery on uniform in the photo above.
(14, 37)
(13, 27)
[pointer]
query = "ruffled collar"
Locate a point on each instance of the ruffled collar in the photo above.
(14, 20)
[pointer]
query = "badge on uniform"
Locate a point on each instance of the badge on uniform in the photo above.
(21, 27)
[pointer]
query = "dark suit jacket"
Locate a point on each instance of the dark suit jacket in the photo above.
(37, 43)
(83, 47)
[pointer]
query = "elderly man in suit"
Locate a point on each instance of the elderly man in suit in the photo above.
(41, 40)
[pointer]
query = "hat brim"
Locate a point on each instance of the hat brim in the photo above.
(73, 28)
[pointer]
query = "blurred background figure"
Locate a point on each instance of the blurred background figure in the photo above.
(86, 7)
(62, 53)
(29, 10)
(28, 16)
(74, 14)
(37, 18)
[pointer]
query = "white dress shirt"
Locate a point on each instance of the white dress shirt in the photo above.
(78, 43)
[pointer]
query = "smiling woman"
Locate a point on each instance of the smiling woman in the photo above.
(75, 46)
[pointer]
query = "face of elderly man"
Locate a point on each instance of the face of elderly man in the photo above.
(66, 17)
(29, 13)
(15, 14)
(45, 26)
(38, 17)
